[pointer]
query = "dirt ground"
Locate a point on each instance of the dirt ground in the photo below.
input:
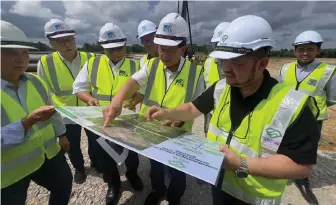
(329, 129)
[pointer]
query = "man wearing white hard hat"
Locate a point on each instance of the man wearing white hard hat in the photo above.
(261, 123)
(30, 128)
(59, 69)
(146, 31)
(97, 83)
(314, 78)
(213, 71)
(168, 81)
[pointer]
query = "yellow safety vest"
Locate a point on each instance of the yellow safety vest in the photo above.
(180, 91)
(61, 79)
(263, 127)
(143, 60)
(104, 84)
(211, 74)
(312, 85)
(21, 160)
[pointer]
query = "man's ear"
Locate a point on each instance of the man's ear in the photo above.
(318, 51)
(263, 63)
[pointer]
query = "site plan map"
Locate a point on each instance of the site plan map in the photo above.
(174, 147)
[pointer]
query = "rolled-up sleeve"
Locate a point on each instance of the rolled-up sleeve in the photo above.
(142, 78)
(12, 135)
(82, 81)
(331, 90)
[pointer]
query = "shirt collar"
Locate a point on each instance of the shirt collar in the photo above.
(63, 59)
(310, 66)
(179, 68)
(5, 83)
(116, 65)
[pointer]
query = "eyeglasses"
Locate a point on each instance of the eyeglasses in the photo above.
(65, 41)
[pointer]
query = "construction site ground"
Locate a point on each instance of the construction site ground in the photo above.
(323, 179)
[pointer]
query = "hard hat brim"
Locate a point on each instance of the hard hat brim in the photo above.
(113, 45)
(215, 40)
(62, 35)
(146, 33)
(17, 46)
(166, 42)
(224, 55)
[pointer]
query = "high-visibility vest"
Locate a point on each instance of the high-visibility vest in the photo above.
(61, 79)
(21, 160)
(211, 74)
(180, 91)
(104, 84)
(313, 85)
(263, 127)
(143, 60)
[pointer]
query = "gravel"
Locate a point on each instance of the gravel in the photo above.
(93, 190)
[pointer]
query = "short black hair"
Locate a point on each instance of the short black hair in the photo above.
(262, 52)
(183, 43)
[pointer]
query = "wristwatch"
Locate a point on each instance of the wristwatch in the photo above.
(242, 171)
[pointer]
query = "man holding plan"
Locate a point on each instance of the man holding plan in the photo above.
(261, 123)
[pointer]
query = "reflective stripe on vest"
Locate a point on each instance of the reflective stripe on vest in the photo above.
(281, 120)
(27, 157)
(180, 90)
(94, 76)
(18, 161)
(211, 74)
(143, 60)
(150, 83)
(313, 84)
(251, 139)
(53, 75)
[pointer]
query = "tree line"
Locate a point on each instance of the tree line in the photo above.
(206, 49)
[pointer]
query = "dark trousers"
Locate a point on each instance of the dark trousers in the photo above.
(73, 133)
(220, 197)
(55, 175)
(110, 168)
(177, 185)
(306, 180)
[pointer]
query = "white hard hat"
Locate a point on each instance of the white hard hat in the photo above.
(146, 27)
(111, 36)
(56, 28)
(173, 29)
(219, 31)
(242, 36)
(308, 37)
(13, 37)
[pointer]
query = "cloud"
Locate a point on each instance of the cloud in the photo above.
(33, 9)
(77, 24)
(287, 19)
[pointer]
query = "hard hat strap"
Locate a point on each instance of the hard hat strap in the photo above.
(112, 41)
(59, 32)
(234, 49)
(174, 38)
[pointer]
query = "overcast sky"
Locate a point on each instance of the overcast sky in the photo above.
(287, 19)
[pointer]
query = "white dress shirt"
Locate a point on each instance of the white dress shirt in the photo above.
(142, 78)
(74, 68)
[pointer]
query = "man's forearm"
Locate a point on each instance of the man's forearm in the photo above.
(84, 96)
(126, 91)
(184, 112)
(277, 167)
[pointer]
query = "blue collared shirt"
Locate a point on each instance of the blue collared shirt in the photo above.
(14, 133)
